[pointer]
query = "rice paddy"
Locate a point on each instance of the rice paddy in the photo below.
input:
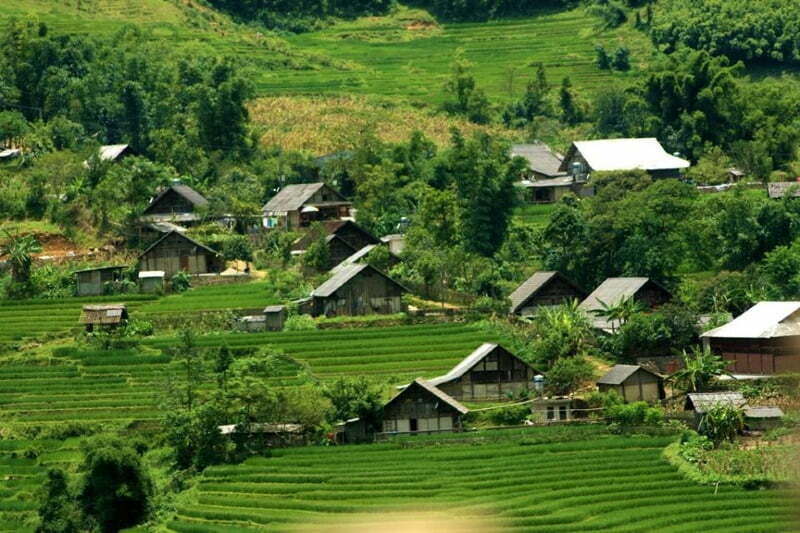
(514, 483)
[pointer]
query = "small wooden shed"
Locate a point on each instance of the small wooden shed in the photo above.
(104, 316)
(543, 289)
(151, 281)
(274, 317)
(422, 408)
(634, 383)
(358, 289)
(175, 252)
(92, 281)
(489, 373)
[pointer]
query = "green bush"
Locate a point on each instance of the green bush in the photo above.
(513, 415)
(300, 323)
(634, 414)
(180, 282)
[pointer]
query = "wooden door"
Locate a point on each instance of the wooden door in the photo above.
(184, 263)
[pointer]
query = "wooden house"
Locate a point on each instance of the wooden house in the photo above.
(489, 373)
(357, 289)
(544, 181)
(343, 238)
(92, 281)
(422, 408)
(542, 162)
(361, 255)
(298, 206)
(175, 252)
(274, 317)
(151, 281)
(765, 339)
(177, 204)
(543, 289)
(614, 291)
(104, 316)
(633, 383)
(585, 157)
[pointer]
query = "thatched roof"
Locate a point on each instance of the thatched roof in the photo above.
(619, 373)
(540, 158)
(431, 389)
(623, 154)
(293, 197)
(104, 314)
(534, 284)
(765, 320)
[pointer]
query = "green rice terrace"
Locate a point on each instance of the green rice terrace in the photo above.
(127, 385)
(521, 481)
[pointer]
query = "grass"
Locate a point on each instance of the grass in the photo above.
(506, 483)
(537, 215)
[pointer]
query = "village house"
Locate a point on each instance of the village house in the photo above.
(357, 289)
(755, 417)
(585, 157)
(173, 208)
(543, 289)
(298, 206)
(781, 189)
(106, 316)
(175, 252)
(614, 291)
(544, 181)
(633, 383)
(92, 281)
(489, 373)
(342, 237)
(765, 339)
(422, 408)
(263, 435)
(362, 254)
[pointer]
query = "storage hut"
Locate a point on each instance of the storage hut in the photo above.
(543, 289)
(358, 289)
(585, 157)
(489, 373)
(548, 410)
(274, 317)
(762, 418)
(106, 316)
(422, 408)
(634, 383)
(297, 206)
(765, 339)
(175, 252)
(782, 189)
(614, 291)
(92, 281)
(396, 242)
(151, 281)
(702, 402)
(177, 203)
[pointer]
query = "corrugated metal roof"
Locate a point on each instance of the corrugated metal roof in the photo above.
(186, 192)
(274, 308)
(566, 181)
(198, 244)
(612, 291)
(540, 158)
(468, 362)
(446, 398)
(625, 154)
(702, 402)
(338, 280)
(149, 274)
(111, 152)
(354, 258)
(292, 197)
(113, 267)
(617, 374)
(331, 228)
(762, 321)
(103, 314)
(529, 287)
(763, 412)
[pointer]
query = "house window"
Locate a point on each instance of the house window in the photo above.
(562, 412)
(412, 424)
(551, 412)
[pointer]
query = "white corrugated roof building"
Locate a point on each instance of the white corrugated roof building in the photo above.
(624, 154)
(764, 320)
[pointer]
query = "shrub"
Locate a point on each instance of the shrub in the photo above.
(634, 414)
(180, 282)
(567, 374)
(622, 59)
(513, 415)
(300, 323)
(722, 423)
(602, 60)
(237, 247)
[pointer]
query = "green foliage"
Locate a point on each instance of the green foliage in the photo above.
(116, 489)
(180, 282)
(486, 9)
(195, 437)
(756, 32)
(513, 415)
(467, 99)
(610, 13)
(722, 423)
(670, 329)
(700, 368)
(562, 332)
(317, 255)
(300, 323)
(299, 16)
(19, 250)
(58, 512)
(627, 415)
(603, 61)
(354, 397)
(534, 103)
(567, 374)
(237, 247)
(622, 59)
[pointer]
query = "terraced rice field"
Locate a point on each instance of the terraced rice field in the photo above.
(35, 318)
(128, 385)
(618, 484)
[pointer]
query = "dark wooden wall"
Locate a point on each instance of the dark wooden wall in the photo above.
(367, 293)
(759, 356)
(171, 203)
(493, 378)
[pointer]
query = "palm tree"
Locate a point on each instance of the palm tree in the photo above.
(620, 312)
(19, 249)
(700, 367)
